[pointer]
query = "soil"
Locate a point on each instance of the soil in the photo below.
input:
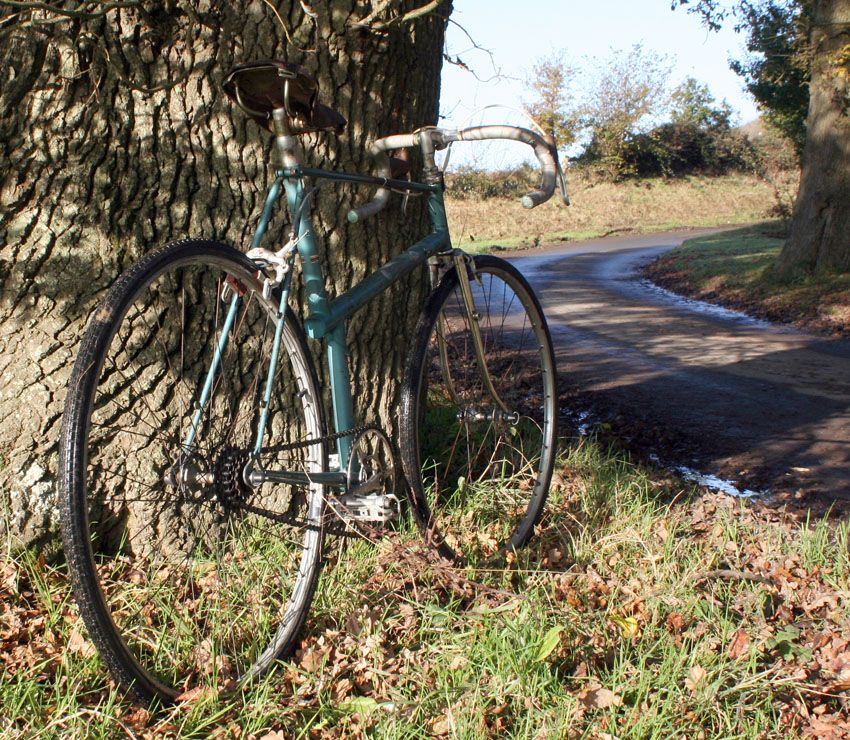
(765, 406)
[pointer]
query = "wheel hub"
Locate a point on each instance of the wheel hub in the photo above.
(470, 415)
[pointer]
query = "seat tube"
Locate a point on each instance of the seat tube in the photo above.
(343, 403)
(317, 300)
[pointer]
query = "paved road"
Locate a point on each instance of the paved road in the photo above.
(748, 401)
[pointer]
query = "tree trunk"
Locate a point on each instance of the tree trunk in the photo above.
(115, 137)
(819, 239)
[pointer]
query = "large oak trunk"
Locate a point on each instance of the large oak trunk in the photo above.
(115, 137)
(819, 240)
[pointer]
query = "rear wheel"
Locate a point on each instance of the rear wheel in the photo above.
(479, 466)
(186, 575)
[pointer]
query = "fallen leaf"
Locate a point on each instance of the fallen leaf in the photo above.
(311, 660)
(695, 677)
(822, 730)
(675, 623)
(628, 626)
(440, 726)
(739, 645)
(457, 662)
(138, 718)
(359, 705)
(598, 697)
(193, 696)
(79, 645)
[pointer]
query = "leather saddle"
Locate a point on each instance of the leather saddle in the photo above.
(261, 87)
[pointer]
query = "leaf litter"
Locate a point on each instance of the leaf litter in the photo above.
(763, 620)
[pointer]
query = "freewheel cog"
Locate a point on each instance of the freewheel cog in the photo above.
(231, 490)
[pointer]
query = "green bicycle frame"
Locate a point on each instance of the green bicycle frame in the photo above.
(326, 317)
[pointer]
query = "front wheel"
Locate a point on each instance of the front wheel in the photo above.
(187, 575)
(479, 461)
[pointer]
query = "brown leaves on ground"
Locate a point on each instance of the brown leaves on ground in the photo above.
(28, 637)
(598, 697)
(739, 645)
(790, 624)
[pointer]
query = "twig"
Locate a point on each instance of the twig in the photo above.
(286, 28)
(308, 10)
(458, 62)
(370, 21)
(731, 575)
(102, 8)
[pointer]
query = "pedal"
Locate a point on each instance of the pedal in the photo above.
(374, 508)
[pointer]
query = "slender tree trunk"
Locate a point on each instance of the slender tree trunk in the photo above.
(819, 239)
(115, 138)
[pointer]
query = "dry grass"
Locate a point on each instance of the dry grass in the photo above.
(599, 208)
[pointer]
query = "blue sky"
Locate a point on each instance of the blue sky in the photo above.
(519, 33)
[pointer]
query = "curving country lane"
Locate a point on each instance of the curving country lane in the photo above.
(762, 405)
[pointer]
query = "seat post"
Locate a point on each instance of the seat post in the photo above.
(286, 142)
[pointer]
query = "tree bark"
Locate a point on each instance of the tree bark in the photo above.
(819, 238)
(115, 137)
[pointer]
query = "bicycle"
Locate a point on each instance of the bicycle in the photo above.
(197, 473)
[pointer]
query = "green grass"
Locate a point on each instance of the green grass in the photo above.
(734, 268)
(612, 621)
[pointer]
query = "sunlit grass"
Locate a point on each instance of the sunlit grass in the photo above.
(734, 268)
(612, 620)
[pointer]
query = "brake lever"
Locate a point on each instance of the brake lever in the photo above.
(562, 185)
(562, 178)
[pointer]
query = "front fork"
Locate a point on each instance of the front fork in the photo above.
(464, 264)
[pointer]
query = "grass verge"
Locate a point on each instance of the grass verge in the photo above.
(643, 608)
(733, 269)
(601, 208)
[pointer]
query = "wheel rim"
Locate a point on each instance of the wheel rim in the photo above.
(485, 466)
(199, 578)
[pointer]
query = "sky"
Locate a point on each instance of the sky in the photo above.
(520, 33)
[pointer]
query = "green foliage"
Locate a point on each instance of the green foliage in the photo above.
(553, 105)
(699, 139)
(676, 149)
(629, 91)
(694, 105)
(627, 95)
(777, 70)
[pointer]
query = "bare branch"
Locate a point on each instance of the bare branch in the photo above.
(102, 8)
(458, 62)
(285, 27)
(308, 10)
(411, 15)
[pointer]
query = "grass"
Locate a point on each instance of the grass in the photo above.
(643, 608)
(600, 208)
(733, 269)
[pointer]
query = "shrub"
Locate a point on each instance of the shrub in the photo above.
(471, 182)
(676, 149)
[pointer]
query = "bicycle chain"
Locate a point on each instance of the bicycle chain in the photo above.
(354, 431)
